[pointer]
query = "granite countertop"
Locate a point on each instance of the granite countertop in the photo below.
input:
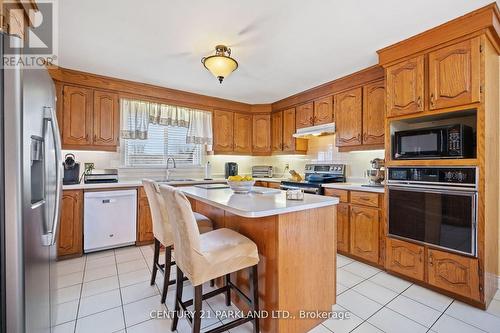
(351, 186)
(254, 205)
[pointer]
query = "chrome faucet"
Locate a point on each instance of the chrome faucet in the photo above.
(168, 169)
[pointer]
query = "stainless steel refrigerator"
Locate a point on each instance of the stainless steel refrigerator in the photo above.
(31, 189)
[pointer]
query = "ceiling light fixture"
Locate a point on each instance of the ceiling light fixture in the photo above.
(221, 64)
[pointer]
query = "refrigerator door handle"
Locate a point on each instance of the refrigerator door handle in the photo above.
(50, 116)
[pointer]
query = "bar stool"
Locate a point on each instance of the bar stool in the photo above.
(208, 256)
(162, 232)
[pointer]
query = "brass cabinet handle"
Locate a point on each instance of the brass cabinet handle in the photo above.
(419, 101)
(432, 99)
(431, 260)
(359, 136)
(311, 120)
(420, 255)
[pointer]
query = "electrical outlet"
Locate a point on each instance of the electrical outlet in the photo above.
(88, 167)
(287, 166)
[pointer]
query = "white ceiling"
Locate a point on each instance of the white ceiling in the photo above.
(283, 46)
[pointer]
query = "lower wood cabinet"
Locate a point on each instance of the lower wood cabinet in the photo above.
(405, 258)
(70, 238)
(273, 185)
(144, 220)
(454, 273)
(343, 227)
(364, 233)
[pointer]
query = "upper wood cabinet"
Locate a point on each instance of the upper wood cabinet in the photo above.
(364, 233)
(454, 273)
(277, 131)
(305, 115)
(454, 74)
(70, 238)
(348, 118)
(374, 113)
(106, 119)
(289, 130)
(77, 117)
(261, 134)
(243, 133)
(405, 87)
(405, 258)
(223, 125)
(90, 119)
(323, 110)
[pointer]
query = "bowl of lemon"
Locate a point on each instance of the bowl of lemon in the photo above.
(240, 184)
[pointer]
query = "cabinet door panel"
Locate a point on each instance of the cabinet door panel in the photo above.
(289, 130)
(323, 111)
(77, 116)
(348, 118)
(144, 221)
(305, 115)
(223, 131)
(374, 113)
(70, 238)
(277, 131)
(364, 233)
(454, 273)
(405, 258)
(106, 118)
(343, 227)
(454, 75)
(405, 87)
(242, 133)
(261, 133)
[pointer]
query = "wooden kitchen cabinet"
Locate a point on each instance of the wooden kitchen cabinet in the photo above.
(273, 185)
(405, 258)
(144, 220)
(242, 133)
(374, 113)
(454, 273)
(277, 131)
(223, 125)
(70, 238)
(405, 87)
(305, 115)
(323, 110)
(343, 227)
(77, 117)
(261, 134)
(364, 233)
(348, 118)
(289, 130)
(454, 74)
(106, 119)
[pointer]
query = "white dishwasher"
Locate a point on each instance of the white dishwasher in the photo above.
(109, 219)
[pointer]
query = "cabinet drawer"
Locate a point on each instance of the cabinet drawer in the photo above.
(364, 198)
(273, 185)
(261, 183)
(405, 258)
(343, 195)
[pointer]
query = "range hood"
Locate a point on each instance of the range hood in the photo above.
(314, 131)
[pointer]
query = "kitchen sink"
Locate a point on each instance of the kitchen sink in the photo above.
(174, 180)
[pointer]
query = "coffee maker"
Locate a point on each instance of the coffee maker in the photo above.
(231, 169)
(71, 170)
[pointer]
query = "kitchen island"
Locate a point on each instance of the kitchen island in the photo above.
(296, 242)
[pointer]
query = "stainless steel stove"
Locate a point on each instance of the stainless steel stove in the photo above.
(315, 176)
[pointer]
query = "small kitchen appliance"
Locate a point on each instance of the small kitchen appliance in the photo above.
(231, 169)
(262, 171)
(71, 170)
(101, 176)
(315, 176)
(454, 141)
(376, 174)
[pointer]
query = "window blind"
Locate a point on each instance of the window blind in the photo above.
(162, 142)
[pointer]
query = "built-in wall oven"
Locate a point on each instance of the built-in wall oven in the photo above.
(434, 205)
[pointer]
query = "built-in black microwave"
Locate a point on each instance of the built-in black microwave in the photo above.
(454, 141)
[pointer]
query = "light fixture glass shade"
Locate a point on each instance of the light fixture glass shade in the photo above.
(220, 64)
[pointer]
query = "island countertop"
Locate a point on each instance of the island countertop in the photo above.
(254, 204)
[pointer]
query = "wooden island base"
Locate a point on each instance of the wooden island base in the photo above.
(297, 263)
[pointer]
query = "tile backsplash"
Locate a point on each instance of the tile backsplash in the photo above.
(321, 150)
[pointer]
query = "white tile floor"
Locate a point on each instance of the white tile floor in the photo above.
(109, 292)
